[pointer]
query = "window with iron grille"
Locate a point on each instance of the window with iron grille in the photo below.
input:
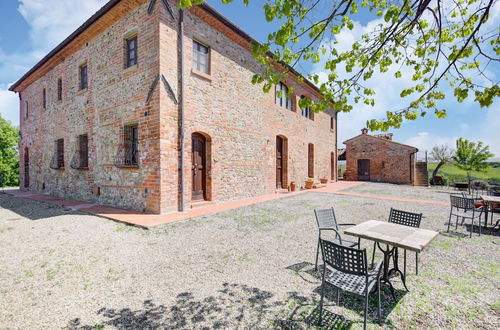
(306, 111)
(201, 57)
(282, 97)
(130, 143)
(83, 150)
(44, 98)
(60, 153)
(310, 160)
(83, 77)
(59, 89)
(131, 51)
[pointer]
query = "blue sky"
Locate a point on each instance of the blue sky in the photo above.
(31, 28)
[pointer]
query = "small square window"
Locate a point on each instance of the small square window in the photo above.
(201, 57)
(131, 52)
(83, 77)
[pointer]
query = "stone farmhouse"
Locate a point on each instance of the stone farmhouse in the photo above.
(152, 108)
(380, 159)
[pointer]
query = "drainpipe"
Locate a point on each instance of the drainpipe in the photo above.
(181, 110)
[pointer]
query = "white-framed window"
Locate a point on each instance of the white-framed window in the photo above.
(307, 111)
(282, 98)
(201, 57)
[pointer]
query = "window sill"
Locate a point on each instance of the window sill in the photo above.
(202, 74)
(131, 69)
(82, 91)
(132, 167)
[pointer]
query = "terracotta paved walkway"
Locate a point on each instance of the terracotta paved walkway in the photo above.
(150, 220)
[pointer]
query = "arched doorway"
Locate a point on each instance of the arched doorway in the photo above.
(26, 168)
(281, 162)
(200, 153)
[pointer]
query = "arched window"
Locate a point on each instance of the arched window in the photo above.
(282, 98)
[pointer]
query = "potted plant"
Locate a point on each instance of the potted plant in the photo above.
(309, 183)
(323, 180)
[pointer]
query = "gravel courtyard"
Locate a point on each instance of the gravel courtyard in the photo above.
(251, 267)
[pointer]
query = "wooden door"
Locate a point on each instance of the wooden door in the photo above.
(363, 169)
(199, 167)
(279, 162)
(333, 161)
(26, 168)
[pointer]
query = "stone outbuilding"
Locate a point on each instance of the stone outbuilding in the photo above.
(378, 158)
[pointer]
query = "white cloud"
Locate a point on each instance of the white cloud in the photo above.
(426, 140)
(9, 106)
(50, 22)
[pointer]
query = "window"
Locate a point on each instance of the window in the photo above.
(60, 153)
(130, 142)
(26, 109)
(332, 123)
(59, 89)
(44, 98)
(201, 57)
(131, 52)
(83, 150)
(83, 77)
(310, 160)
(281, 96)
(306, 111)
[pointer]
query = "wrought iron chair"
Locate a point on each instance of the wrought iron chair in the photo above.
(464, 208)
(350, 273)
(406, 219)
(326, 221)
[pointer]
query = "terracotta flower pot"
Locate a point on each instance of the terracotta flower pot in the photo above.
(292, 186)
(323, 180)
(309, 184)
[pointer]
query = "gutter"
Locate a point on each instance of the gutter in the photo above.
(180, 42)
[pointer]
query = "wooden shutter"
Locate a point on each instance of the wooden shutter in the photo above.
(60, 153)
(310, 160)
(83, 151)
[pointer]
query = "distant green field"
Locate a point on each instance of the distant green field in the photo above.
(452, 173)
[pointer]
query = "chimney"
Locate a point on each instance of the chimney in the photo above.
(364, 131)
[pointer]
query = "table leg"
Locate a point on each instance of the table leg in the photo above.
(396, 269)
(486, 207)
(385, 276)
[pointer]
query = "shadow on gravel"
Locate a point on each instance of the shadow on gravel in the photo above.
(234, 306)
(30, 209)
(331, 320)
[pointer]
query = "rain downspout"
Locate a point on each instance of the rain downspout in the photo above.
(181, 110)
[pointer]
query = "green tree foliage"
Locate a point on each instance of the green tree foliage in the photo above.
(443, 155)
(471, 156)
(9, 157)
(434, 43)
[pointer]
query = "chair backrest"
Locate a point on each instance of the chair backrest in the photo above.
(462, 202)
(345, 259)
(325, 218)
(405, 218)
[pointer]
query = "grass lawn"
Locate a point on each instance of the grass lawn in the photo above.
(451, 172)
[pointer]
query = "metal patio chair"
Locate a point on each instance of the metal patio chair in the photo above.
(404, 218)
(462, 207)
(349, 273)
(326, 221)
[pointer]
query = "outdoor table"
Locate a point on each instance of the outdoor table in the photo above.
(397, 236)
(488, 200)
(461, 185)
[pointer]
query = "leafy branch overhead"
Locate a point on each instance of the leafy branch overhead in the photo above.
(432, 43)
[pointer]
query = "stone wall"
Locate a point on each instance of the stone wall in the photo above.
(240, 121)
(115, 97)
(389, 161)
